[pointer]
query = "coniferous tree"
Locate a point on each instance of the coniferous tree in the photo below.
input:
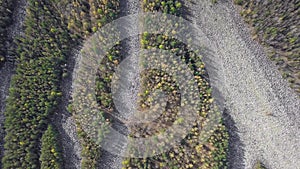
(50, 152)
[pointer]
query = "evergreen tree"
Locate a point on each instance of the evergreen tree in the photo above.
(50, 153)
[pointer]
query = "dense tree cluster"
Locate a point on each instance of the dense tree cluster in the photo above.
(194, 152)
(275, 26)
(6, 12)
(34, 91)
(51, 157)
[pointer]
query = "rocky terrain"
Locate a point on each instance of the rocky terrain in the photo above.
(259, 100)
(125, 99)
(260, 109)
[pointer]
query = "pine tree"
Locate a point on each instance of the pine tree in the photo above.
(50, 153)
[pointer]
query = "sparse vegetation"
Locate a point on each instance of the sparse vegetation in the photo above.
(6, 11)
(259, 165)
(85, 18)
(274, 24)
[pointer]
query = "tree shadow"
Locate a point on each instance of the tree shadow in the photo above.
(235, 155)
(236, 152)
(63, 120)
(5, 78)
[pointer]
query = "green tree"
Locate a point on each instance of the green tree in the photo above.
(50, 153)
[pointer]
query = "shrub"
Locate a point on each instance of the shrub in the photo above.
(238, 2)
(259, 165)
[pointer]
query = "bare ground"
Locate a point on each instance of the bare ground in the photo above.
(64, 121)
(125, 98)
(266, 112)
(262, 112)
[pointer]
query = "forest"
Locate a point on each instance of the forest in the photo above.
(51, 32)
